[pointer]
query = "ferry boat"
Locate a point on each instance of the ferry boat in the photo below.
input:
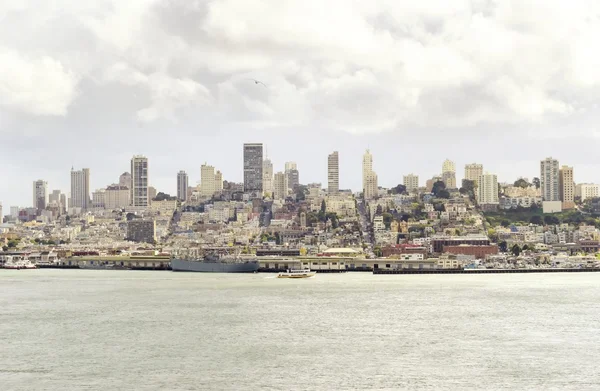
(303, 273)
(18, 263)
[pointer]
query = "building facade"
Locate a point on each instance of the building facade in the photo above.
(411, 181)
(253, 166)
(141, 231)
(207, 181)
(279, 186)
(587, 190)
(369, 177)
(473, 171)
(125, 180)
(139, 195)
(549, 179)
(182, 186)
(449, 174)
(333, 173)
(487, 191)
(40, 194)
(117, 197)
(80, 189)
(267, 178)
(567, 187)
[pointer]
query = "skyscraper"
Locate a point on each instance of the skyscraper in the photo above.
(369, 176)
(411, 181)
(253, 165)
(139, 181)
(40, 194)
(473, 171)
(487, 191)
(207, 181)
(449, 174)
(182, 185)
(291, 175)
(80, 189)
(333, 173)
(218, 181)
(448, 166)
(267, 178)
(567, 187)
(279, 186)
(549, 181)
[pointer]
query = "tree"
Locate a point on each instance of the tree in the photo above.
(503, 246)
(377, 251)
(130, 216)
(387, 220)
(551, 220)
(399, 189)
(536, 182)
(468, 188)
(439, 206)
(437, 186)
(443, 193)
(277, 238)
(521, 183)
(505, 223)
(323, 206)
(515, 250)
(163, 197)
(379, 210)
(404, 217)
(537, 220)
(534, 207)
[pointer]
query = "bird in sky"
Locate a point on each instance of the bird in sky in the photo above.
(258, 82)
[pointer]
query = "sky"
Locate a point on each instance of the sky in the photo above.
(91, 83)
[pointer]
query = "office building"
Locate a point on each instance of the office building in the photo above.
(218, 182)
(267, 178)
(99, 198)
(117, 197)
(487, 191)
(411, 182)
(279, 186)
(40, 195)
(182, 186)
(333, 173)
(253, 165)
(549, 179)
(207, 181)
(80, 189)
(138, 188)
(566, 187)
(473, 171)
(448, 166)
(449, 174)
(583, 190)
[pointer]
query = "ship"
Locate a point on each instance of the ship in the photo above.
(216, 264)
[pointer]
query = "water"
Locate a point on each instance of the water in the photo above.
(126, 330)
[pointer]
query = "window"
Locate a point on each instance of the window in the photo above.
(387, 265)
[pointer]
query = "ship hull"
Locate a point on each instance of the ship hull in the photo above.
(181, 265)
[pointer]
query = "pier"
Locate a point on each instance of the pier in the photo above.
(483, 271)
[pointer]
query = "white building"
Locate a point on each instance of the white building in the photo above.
(139, 181)
(473, 171)
(411, 181)
(80, 189)
(449, 174)
(487, 191)
(40, 194)
(369, 177)
(549, 179)
(587, 190)
(116, 197)
(333, 173)
(99, 198)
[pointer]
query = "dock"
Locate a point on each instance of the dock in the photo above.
(483, 271)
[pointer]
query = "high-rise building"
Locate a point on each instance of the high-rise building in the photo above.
(448, 166)
(333, 173)
(139, 182)
(279, 186)
(99, 198)
(583, 191)
(182, 186)
(411, 181)
(80, 189)
(40, 194)
(218, 181)
(267, 178)
(291, 175)
(125, 180)
(207, 181)
(151, 193)
(549, 181)
(253, 165)
(449, 174)
(14, 212)
(369, 177)
(59, 199)
(487, 191)
(473, 171)
(566, 187)
(117, 197)
(290, 166)
(1, 214)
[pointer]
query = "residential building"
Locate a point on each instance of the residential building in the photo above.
(449, 174)
(99, 198)
(218, 181)
(267, 178)
(207, 181)
(59, 199)
(487, 191)
(151, 193)
(473, 171)
(279, 186)
(587, 190)
(141, 231)
(14, 212)
(369, 177)
(253, 165)
(549, 179)
(448, 166)
(182, 186)
(80, 189)
(333, 173)
(40, 194)
(292, 175)
(290, 166)
(139, 181)
(117, 197)
(411, 181)
(125, 180)
(566, 187)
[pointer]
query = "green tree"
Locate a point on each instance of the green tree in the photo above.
(551, 220)
(130, 216)
(387, 219)
(537, 220)
(399, 189)
(505, 223)
(323, 207)
(443, 194)
(437, 187)
(521, 183)
(536, 182)
(377, 251)
(503, 246)
(379, 210)
(515, 250)
(468, 188)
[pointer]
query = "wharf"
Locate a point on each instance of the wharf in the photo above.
(484, 271)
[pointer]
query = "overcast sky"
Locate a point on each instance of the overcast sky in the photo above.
(90, 83)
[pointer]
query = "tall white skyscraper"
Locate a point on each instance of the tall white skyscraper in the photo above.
(448, 166)
(549, 179)
(218, 181)
(370, 189)
(487, 191)
(333, 173)
(182, 185)
(40, 194)
(207, 181)
(139, 181)
(290, 166)
(267, 178)
(80, 189)
(473, 171)
(411, 181)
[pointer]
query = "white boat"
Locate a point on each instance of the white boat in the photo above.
(18, 263)
(303, 273)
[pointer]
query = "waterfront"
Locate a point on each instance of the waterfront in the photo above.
(93, 329)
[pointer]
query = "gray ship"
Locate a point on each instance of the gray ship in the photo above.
(216, 264)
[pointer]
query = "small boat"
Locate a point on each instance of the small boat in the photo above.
(304, 273)
(18, 263)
